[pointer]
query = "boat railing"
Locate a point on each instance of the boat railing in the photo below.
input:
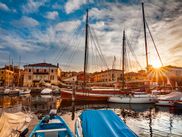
(50, 130)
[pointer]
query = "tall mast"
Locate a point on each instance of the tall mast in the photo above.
(86, 50)
(145, 36)
(123, 61)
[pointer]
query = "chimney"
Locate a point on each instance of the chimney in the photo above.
(58, 65)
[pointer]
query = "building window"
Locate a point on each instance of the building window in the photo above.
(29, 77)
(52, 77)
(37, 70)
(52, 70)
(29, 70)
(44, 70)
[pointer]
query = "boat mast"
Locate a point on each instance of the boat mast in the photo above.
(123, 61)
(86, 50)
(145, 36)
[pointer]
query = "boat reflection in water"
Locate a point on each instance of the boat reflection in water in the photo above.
(143, 119)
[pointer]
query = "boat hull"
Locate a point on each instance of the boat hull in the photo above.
(105, 124)
(136, 100)
(165, 102)
(55, 126)
(178, 105)
(81, 96)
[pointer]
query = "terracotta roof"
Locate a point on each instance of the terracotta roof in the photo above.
(40, 65)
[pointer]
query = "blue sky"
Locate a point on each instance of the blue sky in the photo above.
(53, 31)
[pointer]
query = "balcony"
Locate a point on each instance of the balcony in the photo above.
(40, 73)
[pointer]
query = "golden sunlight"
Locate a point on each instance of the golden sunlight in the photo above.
(156, 64)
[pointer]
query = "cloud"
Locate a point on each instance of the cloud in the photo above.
(107, 20)
(73, 5)
(4, 7)
(25, 21)
(177, 48)
(32, 6)
(68, 26)
(52, 15)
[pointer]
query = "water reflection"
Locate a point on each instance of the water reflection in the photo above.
(145, 120)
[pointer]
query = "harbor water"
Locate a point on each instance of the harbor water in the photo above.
(146, 120)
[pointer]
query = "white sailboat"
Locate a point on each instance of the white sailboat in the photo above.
(169, 99)
(137, 98)
(134, 97)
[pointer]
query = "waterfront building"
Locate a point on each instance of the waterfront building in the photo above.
(11, 76)
(168, 76)
(110, 75)
(36, 74)
(17, 74)
(6, 77)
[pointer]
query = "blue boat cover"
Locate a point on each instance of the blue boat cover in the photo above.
(104, 123)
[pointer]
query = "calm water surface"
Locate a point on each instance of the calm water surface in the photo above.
(145, 120)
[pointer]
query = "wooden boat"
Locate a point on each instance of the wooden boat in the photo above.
(136, 98)
(51, 126)
(101, 123)
(169, 99)
(90, 94)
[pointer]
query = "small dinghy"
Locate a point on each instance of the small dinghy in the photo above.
(26, 91)
(51, 126)
(46, 91)
(101, 123)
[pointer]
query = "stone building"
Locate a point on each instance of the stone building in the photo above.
(111, 75)
(36, 74)
(6, 77)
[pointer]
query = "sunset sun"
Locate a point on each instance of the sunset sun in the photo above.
(156, 64)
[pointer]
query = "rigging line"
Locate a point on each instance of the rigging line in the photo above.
(62, 50)
(93, 55)
(91, 37)
(72, 39)
(133, 53)
(76, 51)
(100, 51)
(95, 44)
(77, 43)
(154, 43)
(70, 44)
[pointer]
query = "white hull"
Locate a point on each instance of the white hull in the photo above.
(132, 99)
(22, 92)
(78, 128)
(169, 99)
(46, 91)
(165, 102)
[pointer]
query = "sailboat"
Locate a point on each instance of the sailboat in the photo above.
(134, 97)
(87, 93)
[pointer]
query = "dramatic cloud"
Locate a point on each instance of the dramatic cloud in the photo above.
(26, 22)
(4, 7)
(52, 15)
(68, 26)
(73, 5)
(32, 6)
(28, 27)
